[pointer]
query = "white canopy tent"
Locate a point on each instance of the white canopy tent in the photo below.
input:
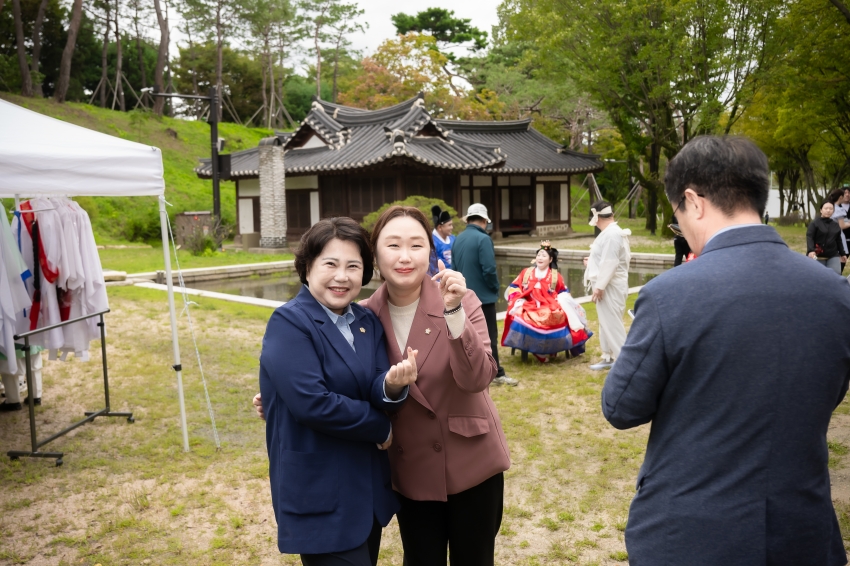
(42, 156)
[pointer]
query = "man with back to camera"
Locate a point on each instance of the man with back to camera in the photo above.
(474, 255)
(738, 359)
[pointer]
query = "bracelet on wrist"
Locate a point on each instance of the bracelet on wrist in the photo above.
(452, 311)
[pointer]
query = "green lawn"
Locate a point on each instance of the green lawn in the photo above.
(128, 495)
(138, 260)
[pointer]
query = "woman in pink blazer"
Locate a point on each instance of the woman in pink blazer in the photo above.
(448, 450)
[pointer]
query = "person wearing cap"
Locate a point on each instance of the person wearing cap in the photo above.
(474, 256)
(442, 235)
(607, 279)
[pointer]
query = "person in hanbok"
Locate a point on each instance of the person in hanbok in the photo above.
(606, 278)
(542, 317)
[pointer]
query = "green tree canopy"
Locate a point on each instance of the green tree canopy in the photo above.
(442, 25)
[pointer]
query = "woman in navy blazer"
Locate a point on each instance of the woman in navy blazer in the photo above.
(326, 384)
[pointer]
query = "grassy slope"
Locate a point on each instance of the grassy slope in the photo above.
(113, 218)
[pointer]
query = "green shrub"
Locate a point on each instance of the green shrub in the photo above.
(422, 203)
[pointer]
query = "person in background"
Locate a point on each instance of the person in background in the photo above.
(474, 256)
(824, 240)
(839, 215)
(326, 386)
(442, 235)
(606, 278)
(737, 360)
(542, 317)
(844, 204)
(680, 244)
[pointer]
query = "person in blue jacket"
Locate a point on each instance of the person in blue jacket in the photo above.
(442, 236)
(326, 384)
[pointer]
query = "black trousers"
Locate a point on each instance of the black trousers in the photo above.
(489, 311)
(364, 555)
(467, 524)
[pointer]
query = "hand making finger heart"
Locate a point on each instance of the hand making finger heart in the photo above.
(452, 285)
(403, 373)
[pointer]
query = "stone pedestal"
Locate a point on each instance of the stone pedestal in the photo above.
(272, 194)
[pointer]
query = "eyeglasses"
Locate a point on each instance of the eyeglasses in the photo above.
(682, 201)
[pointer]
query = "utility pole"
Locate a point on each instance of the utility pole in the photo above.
(213, 99)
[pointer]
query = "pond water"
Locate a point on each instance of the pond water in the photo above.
(285, 286)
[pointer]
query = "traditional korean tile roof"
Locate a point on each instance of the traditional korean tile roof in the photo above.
(353, 138)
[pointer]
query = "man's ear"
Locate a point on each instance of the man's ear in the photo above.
(696, 202)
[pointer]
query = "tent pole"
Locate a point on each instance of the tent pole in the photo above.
(163, 220)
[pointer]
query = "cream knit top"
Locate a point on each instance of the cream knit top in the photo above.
(402, 319)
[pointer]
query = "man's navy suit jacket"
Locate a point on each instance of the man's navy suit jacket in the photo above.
(738, 359)
(324, 407)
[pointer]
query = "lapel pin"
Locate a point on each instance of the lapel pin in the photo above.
(363, 330)
(427, 331)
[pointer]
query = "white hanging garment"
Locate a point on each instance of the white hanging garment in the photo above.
(45, 311)
(14, 299)
(72, 282)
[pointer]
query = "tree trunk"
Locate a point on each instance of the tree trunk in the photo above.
(119, 88)
(65, 66)
(318, 63)
(139, 51)
(780, 178)
(334, 91)
(265, 74)
(652, 188)
(26, 81)
(36, 49)
(198, 107)
(104, 62)
(219, 61)
(161, 56)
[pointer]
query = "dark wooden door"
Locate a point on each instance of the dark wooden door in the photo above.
(297, 212)
(520, 198)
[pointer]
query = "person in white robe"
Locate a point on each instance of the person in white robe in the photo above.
(606, 278)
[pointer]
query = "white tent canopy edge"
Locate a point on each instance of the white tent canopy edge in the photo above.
(43, 156)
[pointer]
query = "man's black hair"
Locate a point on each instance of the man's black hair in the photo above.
(729, 171)
(475, 218)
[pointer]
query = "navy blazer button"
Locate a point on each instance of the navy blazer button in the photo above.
(438, 447)
(431, 415)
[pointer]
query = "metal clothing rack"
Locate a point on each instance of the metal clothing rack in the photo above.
(90, 415)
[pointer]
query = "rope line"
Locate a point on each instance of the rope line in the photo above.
(186, 303)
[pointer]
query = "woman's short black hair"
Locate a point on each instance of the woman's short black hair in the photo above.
(317, 237)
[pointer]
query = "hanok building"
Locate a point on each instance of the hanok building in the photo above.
(344, 161)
